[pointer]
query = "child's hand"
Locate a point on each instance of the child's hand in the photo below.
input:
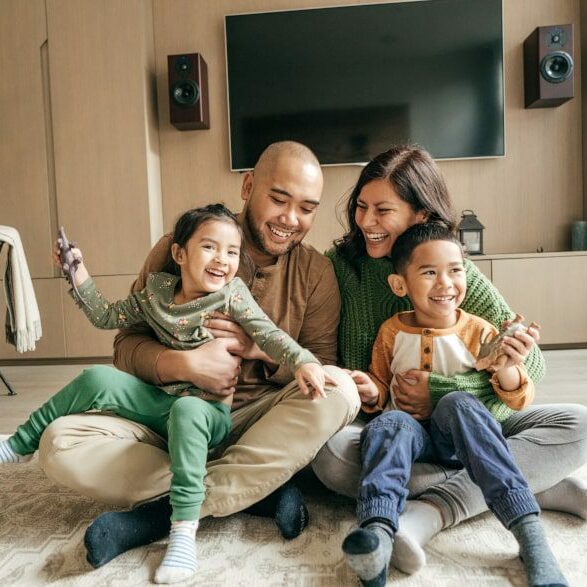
(368, 391)
(80, 273)
(514, 349)
(56, 257)
(311, 379)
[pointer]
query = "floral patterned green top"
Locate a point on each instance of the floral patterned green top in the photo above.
(181, 326)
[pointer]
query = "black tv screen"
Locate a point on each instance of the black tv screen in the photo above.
(350, 81)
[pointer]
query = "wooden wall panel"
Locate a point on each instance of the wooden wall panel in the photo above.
(52, 343)
(552, 291)
(484, 266)
(24, 188)
(526, 199)
(82, 338)
(101, 88)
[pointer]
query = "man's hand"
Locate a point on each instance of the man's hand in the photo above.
(367, 389)
(221, 326)
(311, 379)
(211, 367)
(412, 394)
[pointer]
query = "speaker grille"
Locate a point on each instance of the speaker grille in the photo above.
(185, 92)
(556, 67)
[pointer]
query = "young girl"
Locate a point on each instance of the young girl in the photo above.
(205, 253)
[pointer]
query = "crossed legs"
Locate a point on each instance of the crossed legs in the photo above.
(120, 463)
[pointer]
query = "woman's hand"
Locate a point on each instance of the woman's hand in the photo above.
(367, 389)
(412, 394)
(221, 326)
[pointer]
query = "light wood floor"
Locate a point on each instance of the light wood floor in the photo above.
(565, 382)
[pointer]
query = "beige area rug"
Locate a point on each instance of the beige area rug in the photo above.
(42, 527)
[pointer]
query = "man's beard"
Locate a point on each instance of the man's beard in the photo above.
(257, 237)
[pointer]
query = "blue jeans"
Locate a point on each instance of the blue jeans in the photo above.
(461, 433)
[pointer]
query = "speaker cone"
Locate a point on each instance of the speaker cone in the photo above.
(556, 67)
(185, 92)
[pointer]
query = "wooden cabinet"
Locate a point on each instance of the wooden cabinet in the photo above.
(82, 339)
(25, 183)
(550, 288)
(484, 266)
(50, 302)
(80, 148)
(67, 333)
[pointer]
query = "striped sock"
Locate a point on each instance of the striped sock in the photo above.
(180, 561)
(7, 455)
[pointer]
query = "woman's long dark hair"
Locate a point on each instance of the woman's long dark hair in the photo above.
(415, 178)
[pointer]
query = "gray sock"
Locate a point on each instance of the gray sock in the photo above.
(541, 566)
(418, 524)
(569, 495)
(368, 551)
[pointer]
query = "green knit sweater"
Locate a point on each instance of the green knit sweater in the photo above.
(367, 301)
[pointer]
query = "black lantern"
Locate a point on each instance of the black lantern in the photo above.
(471, 233)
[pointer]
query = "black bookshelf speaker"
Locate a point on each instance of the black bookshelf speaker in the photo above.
(549, 67)
(188, 91)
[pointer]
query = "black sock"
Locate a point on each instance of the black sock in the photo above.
(286, 505)
(113, 533)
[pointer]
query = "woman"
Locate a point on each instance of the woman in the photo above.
(397, 189)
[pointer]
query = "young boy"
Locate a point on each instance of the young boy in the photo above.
(462, 431)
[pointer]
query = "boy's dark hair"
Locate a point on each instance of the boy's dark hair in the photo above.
(417, 234)
(190, 221)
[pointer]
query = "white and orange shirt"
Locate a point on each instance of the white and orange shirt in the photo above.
(447, 351)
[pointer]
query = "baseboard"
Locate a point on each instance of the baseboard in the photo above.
(60, 361)
(563, 347)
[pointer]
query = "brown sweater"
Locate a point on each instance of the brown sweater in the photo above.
(299, 293)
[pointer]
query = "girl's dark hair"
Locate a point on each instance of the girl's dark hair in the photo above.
(405, 244)
(415, 178)
(190, 221)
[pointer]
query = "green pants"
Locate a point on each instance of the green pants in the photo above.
(190, 425)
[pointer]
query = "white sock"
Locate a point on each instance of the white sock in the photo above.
(7, 455)
(418, 524)
(568, 495)
(180, 561)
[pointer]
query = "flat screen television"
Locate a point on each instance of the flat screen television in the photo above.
(349, 81)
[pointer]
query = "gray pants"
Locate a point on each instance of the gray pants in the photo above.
(549, 442)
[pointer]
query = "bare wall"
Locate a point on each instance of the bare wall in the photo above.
(526, 199)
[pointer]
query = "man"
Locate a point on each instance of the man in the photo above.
(277, 430)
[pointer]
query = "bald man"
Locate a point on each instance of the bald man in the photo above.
(276, 429)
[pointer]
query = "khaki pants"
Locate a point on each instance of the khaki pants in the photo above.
(123, 463)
